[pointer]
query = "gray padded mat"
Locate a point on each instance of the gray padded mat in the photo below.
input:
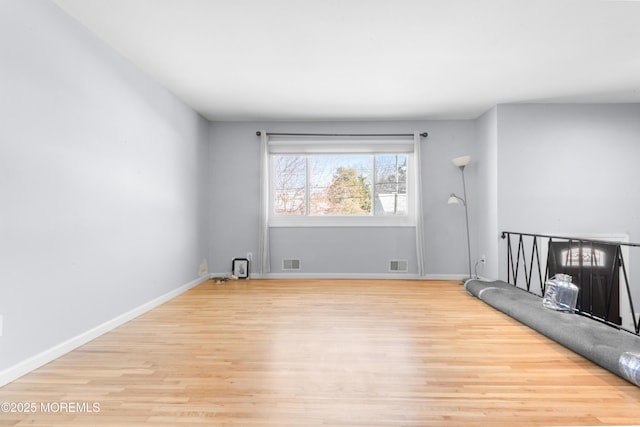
(602, 344)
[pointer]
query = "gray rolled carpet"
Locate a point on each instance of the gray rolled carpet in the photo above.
(615, 350)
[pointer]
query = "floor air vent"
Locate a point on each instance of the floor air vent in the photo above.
(291, 264)
(399, 265)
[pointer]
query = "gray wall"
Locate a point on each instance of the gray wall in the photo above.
(234, 183)
(102, 183)
(568, 169)
(554, 168)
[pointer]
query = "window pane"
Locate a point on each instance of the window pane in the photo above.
(340, 184)
(390, 196)
(289, 185)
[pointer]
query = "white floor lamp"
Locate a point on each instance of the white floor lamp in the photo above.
(461, 162)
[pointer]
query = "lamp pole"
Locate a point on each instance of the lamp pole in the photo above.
(466, 215)
(461, 162)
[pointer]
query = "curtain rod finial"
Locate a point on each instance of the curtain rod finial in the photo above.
(424, 134)
(258, 133)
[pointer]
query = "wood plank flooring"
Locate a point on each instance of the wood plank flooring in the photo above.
(323, 353)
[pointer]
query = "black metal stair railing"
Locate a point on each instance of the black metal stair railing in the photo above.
(597, 267)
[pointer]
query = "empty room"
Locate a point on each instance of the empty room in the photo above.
(319, 213)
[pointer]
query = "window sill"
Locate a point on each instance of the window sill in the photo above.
(342, 221)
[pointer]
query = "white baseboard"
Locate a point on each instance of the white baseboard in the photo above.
(445, 277)
(336, 276)
(355, 276)
(16, 371)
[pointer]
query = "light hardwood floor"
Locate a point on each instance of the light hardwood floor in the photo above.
(324, 353)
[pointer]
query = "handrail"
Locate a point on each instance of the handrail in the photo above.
(503, 235)
(605, 291)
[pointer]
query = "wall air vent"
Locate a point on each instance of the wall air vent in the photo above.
(290, 264)
(398, 266)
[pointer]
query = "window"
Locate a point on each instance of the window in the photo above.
(317, 185)
(579, 256)
(325, 183)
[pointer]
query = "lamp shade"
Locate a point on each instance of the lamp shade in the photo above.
(461, 161)
(453, 199)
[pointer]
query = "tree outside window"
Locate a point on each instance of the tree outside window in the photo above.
(340, 185)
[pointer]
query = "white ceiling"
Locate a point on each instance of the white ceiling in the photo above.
(374, 59)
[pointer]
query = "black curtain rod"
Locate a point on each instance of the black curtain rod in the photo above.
(423, 134)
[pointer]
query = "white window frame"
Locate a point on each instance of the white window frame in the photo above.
(304, 147)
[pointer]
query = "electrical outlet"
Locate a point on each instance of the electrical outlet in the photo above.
(249, 256)
(483, 259)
